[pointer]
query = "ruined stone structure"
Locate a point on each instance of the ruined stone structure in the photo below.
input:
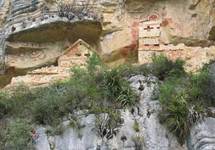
(149, 32)
(152, 41)
(149, 36)
(77, 54)
(40, 41)
(25, 15)
(39, 32)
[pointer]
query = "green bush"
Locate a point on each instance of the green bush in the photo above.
(102, 90)
(95, 88)
(108, 123)
(93, 62)
(50, 105)
(175, 109)
(18, 135)
(136, 126)
(201, 88)
(5, 105)
(88, 88)
(184, 100)
(129, 70)
(16, 103)
(162, 67)
(117, 89)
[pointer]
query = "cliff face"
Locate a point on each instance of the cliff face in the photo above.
(185, 30)
(150, 135)
(191, 19)
(140, 128)
(35, 40)
(114, 28)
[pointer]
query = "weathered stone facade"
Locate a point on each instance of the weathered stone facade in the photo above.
(151, 42)
(114, 28)
(76, 54)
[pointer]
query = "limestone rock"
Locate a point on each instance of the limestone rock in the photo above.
(194, 57)
(151, 135)
(202, 135)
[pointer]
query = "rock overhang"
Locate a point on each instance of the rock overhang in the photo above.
(87, 30)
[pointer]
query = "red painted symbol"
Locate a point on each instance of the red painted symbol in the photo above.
(153, 17)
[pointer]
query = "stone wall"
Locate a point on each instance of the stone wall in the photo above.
(185, 31)
(194, 57)
(77, 54)
(153, 42)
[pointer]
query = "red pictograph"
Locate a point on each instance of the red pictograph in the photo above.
(132, 48)
(153, 17)
(135, 31)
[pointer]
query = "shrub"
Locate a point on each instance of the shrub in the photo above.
(117, 89)
(95, 88)
(175, 108)
(136, 126)
(175, 117)
(5, 105)
(16, 102)
(201, 88)
(93, 62)
(162, 67)
(84, 88)
(89, 88)
(50, 106)
(107, 124)
(184, 101)
(21, 99)
(138, 142)
(18, 135)
(99, 84)
(129, 70)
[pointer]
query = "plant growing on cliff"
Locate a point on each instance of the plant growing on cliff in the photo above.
(4, 104)
(95, 88)
(108, 124)
(202, 87)
(175, 109)
(94, 62)
(184, 100)
(18, 135)
(138, 142)
(117, 89)
(49, 108)
(162, 67)
(136, 126)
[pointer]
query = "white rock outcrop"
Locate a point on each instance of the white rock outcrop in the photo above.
(151, 135)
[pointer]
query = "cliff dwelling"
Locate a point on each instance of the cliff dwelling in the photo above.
(34, 31)
(76, 55)
(107, 74)
(39, 32)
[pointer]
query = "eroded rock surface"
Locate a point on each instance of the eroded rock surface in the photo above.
(203, 135)
(151, 135)
(112, 27)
